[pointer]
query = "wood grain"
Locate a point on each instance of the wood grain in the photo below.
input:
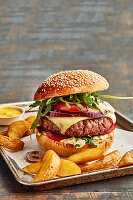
(39, 38)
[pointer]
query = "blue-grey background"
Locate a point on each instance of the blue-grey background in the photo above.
(39, 38)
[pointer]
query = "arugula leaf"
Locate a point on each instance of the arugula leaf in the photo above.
(85, 138)
(89, 101)
(80, 106)
(71, 96)
(36, 121)
(76, 98)
(77, 139)
(77, 145)
(113, 97)
(50, 101)
(89, 136)
(67, 104)
(35, 104)
(89, 140)
(48, 108)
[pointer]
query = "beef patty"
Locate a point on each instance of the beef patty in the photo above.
(82, 128)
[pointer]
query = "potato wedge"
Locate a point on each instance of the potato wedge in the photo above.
(29, 132)
(49, 168)
(18, 128)
(127, 159)
(30, 119)
(86, 155)
(5, 133)
(13, 144)
(83, 165)
(68, 168)
(109, 161)
(33, 168)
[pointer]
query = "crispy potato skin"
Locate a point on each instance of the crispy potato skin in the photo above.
(30, 119)
(33, 168)
(109, 161)
(87, 155)
(18, 128)
(49, 168)
(68, 168)
(10, 138)
(13, 144)
(127, 159)
(82, 165)
(5, 133)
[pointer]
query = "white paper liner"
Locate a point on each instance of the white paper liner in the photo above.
(123, 142)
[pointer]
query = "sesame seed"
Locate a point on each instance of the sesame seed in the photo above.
(71, 79)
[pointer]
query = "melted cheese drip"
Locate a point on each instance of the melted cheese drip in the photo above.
(112, 116)
(105, 106)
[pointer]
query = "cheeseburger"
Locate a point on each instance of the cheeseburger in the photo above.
(72, 116)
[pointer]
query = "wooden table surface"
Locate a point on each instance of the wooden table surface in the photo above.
(39, 38)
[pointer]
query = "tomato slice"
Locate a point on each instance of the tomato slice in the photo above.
(52, 136)
(73, 107)
(111, 129)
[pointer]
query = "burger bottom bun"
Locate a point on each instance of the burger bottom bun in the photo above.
(63, 149)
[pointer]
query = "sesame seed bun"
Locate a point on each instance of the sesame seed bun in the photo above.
(70, 82)
(68, 149)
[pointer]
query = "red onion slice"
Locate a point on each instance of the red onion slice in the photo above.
(91, 115)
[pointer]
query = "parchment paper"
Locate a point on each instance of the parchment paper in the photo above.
(123, 142)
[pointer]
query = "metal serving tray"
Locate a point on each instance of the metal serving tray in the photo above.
(122, 122)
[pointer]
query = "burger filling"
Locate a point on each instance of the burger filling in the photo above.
(82, 128)
(75, 119)
(80, 142)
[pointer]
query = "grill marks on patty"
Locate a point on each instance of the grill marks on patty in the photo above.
(82, 128)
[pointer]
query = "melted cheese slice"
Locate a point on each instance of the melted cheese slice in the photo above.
(112, 116)
(63, 123)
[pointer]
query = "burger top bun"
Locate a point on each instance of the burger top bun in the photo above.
(70, 82)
